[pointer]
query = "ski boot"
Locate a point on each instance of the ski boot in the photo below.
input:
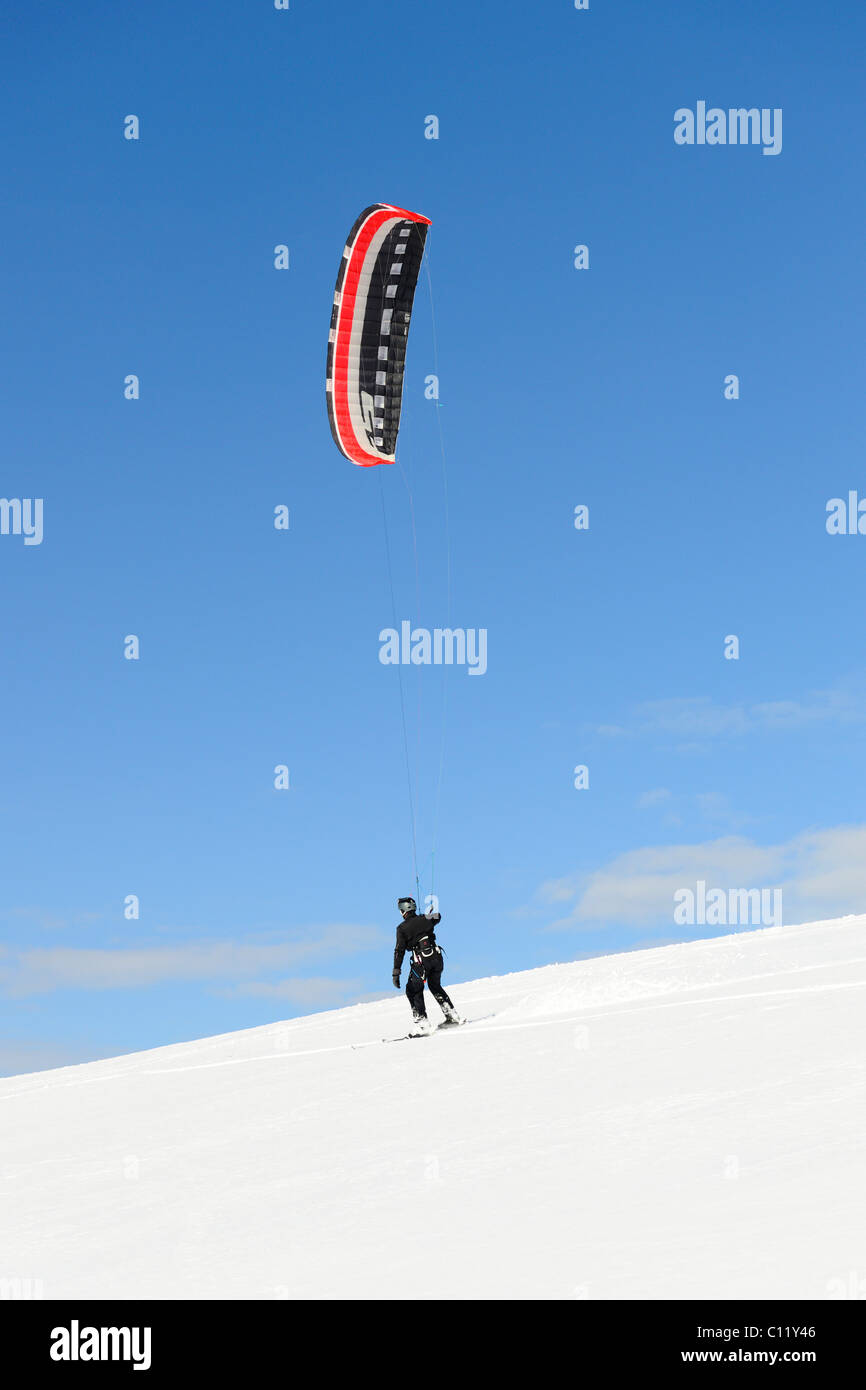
(421, 1026)
(452, 1017)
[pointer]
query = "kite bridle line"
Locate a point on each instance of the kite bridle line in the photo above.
(438, 801)
(412, 819)
(412, 785)
(417, 623)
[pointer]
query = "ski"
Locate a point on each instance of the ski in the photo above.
(409, 1037)
(404, 1037)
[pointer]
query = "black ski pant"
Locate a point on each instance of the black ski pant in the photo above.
(431, 971)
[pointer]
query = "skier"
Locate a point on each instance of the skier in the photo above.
(416, 935)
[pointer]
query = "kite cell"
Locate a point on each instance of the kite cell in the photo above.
(369, 331)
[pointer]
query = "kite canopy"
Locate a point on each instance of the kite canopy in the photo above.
(369, 330)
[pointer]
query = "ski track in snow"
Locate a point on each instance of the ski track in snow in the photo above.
(679, 1122)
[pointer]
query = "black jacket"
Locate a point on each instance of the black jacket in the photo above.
(409, 933)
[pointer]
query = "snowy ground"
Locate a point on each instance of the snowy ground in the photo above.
(684, 1122)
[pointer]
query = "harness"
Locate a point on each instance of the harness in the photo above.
(423, 952)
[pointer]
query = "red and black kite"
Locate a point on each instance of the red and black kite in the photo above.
(369, 330)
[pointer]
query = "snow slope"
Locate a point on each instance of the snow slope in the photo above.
(679, 1122)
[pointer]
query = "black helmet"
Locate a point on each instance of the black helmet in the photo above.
(407, 905)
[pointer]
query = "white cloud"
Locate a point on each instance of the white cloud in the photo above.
(821, 873)
(26, 972)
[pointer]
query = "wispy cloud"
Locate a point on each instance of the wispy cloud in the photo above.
(700, 717)
(654, 797)
(821, 873)
(44, 920)
(18, 1057)
(313, 991)
(675, 809)
(27, 972)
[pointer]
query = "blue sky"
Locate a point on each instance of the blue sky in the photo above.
(558, 387)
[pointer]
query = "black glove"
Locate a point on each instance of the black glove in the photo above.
(396, 978)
